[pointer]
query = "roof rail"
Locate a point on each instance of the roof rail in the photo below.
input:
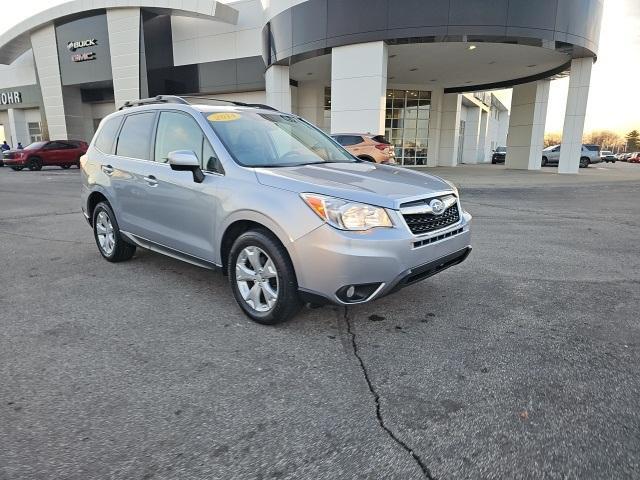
(155, 100)
(182, 101)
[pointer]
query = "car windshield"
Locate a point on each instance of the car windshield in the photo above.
(501, 149)
(274, 140)
(35, 145)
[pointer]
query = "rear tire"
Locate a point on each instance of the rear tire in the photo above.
(584, 162)
(107, 235)
(35, 164)
(545, 161)
(267, 270)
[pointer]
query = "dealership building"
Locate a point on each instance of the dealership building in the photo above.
(419, 72)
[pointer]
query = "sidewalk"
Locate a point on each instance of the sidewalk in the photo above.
(498, 175)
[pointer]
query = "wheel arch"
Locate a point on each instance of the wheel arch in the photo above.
(94, 198)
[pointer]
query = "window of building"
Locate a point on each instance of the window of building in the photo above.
(35, 133)
(106, 140)
(133, 140)
(407, 125)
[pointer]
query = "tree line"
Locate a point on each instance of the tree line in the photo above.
(607, 139)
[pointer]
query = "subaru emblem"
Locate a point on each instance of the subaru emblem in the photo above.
(437, 206)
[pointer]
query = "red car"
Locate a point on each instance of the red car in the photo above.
(61, 153)
(634, 158)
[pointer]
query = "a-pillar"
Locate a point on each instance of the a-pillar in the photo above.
(278, 86)
(358, 88)
(471, 135)
(449, 130)
(525, 139)
(575, 113)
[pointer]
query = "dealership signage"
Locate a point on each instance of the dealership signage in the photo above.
(81, 44)
(10, 98)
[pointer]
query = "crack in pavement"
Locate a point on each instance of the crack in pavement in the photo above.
(376, 398)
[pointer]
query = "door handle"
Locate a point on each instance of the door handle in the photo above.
(151, 180)
(107, 169)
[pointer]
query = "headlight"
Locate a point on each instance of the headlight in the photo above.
(345, 215)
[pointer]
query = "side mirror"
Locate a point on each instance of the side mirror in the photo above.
(186, 161)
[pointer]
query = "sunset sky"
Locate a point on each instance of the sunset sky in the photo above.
(614, 101)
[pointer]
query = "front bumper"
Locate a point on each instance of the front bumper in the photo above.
(14, 162)
(383, 260)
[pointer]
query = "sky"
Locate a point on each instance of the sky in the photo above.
(614, 99)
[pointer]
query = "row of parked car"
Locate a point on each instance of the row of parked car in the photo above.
(60, 153)
(591, 154)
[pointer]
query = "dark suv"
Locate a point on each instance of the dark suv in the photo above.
(61, 153)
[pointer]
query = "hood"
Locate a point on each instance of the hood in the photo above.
(380, 185)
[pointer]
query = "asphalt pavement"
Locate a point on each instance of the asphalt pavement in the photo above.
(520, 363)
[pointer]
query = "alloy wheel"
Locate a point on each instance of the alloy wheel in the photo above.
(106, 235)
(257, 279)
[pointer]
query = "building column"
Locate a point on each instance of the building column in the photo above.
(359, 88)
(45, 54)
(124, 42)
(435, 125)
(525, 139)
(311, 102)
(278, 87)
(449, 130)
(18, 128)
(471, 135)
(483, 140)
(573, 130)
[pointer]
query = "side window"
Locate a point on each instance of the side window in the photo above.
(133, 141)
(210, 161)
(177, 131)
(107, 136)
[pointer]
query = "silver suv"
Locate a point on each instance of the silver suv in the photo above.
(288, 214)
(588, 154)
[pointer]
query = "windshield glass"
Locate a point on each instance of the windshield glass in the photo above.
(501, 149)
(274, 140)
(35, 146)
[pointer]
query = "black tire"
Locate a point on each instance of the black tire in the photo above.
(545, 161)
(122, 250)
(65, 167)
(584, 162)
(35, 164)
(288, 302)
(16, 169)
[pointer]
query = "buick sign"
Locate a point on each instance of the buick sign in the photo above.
(73, 46)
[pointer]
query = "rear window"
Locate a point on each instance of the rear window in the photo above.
(107, 136)
(381, 139)
(592, 148)
(133, 141)
(348, 140)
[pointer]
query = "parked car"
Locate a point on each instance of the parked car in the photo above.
(608, 156)
(634, 158)
(61, 153)
(590, 154)
(372, 148)
(287, 213)
(499, 155)
(625, 156)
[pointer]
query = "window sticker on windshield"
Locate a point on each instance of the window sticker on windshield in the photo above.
(223, 117)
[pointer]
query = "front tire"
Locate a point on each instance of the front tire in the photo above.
(584, 162)
(107, 235)
(262, 278)
(545, 161)
(35, 164)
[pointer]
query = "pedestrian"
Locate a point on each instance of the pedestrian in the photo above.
(20, 147)
(5, 146)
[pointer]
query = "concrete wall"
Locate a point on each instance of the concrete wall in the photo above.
(124, 38)
(20, 72)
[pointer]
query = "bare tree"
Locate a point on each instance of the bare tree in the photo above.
(552, 139)
(606, 139)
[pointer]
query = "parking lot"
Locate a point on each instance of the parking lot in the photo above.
(520, 363)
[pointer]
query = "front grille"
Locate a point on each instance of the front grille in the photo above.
(420, 223)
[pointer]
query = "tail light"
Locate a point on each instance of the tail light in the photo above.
(381, 146)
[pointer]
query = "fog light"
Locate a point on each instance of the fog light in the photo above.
(351, 291)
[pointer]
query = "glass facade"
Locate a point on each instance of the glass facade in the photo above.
(407, 125)
(35, 133)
